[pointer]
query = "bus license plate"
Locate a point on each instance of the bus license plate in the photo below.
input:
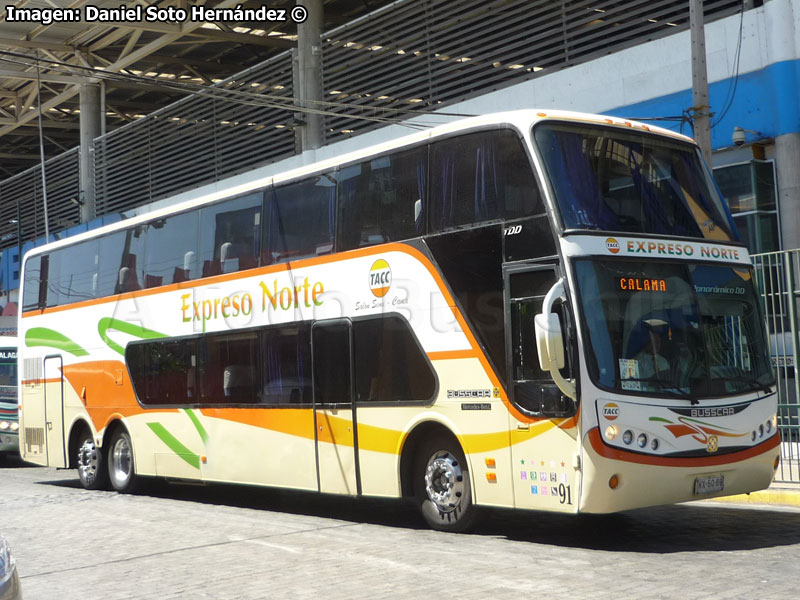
(709, 485)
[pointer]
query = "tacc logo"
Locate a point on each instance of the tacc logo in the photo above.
(380, 278)
(612, 245)
(610, 411)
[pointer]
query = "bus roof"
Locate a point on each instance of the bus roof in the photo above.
(521, 119)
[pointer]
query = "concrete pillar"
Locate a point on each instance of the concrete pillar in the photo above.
(90, 127)
(309, 74)
(787, 164)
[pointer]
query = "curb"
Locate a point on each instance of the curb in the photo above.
(773, 496)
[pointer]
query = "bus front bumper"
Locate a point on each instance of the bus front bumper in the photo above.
(615, 480)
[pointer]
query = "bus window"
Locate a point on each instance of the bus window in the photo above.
(170, 254)
(286, 365)
(390, 366)
(533, 388)
(111, 250)
(228, 371)
(73, 274)
(616, 180)
(33, 280)
(163, 371)
(300, 218)
(481, 177)
(332, 360)
(382, 200)
(130, 272)
(229, 235)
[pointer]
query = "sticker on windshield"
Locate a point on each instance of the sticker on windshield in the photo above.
(629, 370)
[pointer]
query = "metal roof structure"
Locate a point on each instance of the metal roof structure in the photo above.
(53, 58)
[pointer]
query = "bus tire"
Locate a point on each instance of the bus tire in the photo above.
(91, 462)
(121, 470)
(442, 485)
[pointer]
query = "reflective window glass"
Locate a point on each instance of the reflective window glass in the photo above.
(383, 199)
(171, 255)
(300, 219)
(229, 235)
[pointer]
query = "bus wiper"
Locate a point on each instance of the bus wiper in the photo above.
(753, 381)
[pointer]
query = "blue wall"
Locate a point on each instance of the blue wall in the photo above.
(9, 265)
(766, 101)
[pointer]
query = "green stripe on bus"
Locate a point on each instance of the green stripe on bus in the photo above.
(43, 336)
(107, 323)
(198, 425)
(172, 442)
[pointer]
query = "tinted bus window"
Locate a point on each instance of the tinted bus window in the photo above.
(74, 277)
(229, 235)
(170, 255)
(390, 366)
(108, 272)
(480, 177)
(163, 372)
(286, 365)
(300, 219)
(382, 200)
(33, 275)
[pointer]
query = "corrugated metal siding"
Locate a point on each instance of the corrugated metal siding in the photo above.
(413, 54)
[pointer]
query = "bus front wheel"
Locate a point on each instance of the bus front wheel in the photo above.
(91, 463)
(121, 470)
(442, 486)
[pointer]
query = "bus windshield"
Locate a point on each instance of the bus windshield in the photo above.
(612, 180)
(672, 328)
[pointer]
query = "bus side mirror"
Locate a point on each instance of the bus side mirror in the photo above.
(549, 341)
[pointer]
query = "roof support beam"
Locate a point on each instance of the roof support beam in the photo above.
(120, 64)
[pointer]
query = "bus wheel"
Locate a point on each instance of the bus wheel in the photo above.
(91, 464)
(442, 486)
(121, 470)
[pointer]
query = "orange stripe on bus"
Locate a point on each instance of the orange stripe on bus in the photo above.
(452, 354)
(664, 461)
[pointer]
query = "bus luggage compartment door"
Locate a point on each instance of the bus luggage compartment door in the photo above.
(335, 423)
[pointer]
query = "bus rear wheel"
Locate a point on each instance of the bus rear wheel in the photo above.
(91, 463)
(121, 470)
(442, 486)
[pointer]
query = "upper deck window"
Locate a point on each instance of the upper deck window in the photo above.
(626, 181)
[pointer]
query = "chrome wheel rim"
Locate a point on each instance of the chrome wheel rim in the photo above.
(121, 461)
(444, 481)
(88, 461)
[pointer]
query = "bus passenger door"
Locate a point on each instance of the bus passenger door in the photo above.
(335, 423)
(544, 439)
(54, 410)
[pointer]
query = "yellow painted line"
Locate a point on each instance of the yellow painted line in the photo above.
(776, 496)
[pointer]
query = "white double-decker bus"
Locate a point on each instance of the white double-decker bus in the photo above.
(537, 310)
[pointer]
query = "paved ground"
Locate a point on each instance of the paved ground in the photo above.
(233, 542)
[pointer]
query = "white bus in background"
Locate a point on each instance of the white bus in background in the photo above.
(534, 310)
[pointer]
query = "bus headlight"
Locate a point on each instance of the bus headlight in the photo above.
(15, 426)
(4, 425)
(611, 432)
(641, 441)
(627, 437)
